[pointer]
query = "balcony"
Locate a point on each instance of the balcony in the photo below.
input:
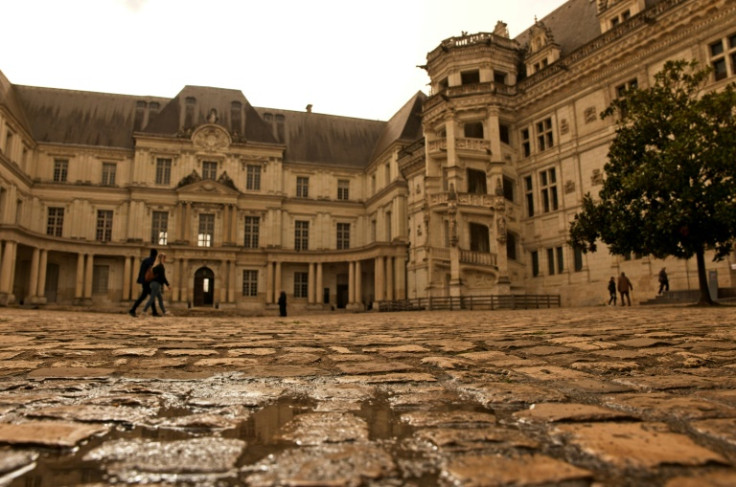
(462, 144)
(472, 257)
(468, 199)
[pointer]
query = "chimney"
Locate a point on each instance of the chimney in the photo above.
(309, 108)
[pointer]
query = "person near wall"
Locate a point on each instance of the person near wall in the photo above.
(157, 285)
(282, 304)
(664, 281)
(624, 288)
(612, 291)
(146, 264)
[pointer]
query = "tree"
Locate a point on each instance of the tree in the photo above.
(670, 179)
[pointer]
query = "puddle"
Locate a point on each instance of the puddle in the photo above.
(261, 432)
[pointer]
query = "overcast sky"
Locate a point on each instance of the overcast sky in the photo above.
(344, 57)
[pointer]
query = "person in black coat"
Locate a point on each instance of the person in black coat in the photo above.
(282, 304)
(145, 286)
(157, 285)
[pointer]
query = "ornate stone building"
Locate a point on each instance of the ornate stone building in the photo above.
(468, 191)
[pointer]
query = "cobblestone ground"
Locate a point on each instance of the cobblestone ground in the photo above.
(571, 397)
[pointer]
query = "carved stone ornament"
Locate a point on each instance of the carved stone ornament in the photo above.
(569, 186)
(211, 138)
(596, 179)
(501, 229)
(564, 126)
(590, 115)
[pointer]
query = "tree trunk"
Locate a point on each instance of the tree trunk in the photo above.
(703, 280)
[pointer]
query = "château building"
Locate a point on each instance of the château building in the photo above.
(465, 191)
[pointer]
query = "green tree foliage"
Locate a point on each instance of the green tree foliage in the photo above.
(670, 185)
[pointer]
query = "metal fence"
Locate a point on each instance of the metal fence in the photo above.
(491, 302)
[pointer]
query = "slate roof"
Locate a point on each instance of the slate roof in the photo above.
(405, 125)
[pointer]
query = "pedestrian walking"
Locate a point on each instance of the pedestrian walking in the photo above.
(282, 304)
(624, 287)
(612, 291)
(146, 264)
(664, 281)
(157, 285)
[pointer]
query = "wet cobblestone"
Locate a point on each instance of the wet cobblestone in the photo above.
(572, 397)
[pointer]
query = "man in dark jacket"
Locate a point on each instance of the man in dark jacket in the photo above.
(145, 286)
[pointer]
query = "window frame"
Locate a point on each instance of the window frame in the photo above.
(250, 283)
(61, 170)
(253, 177)
(109, 171)
(159, 225)
(548, 190)
(301, 235)
(55, 221)
(343, 235)
(544, 134)
(302, 186)
(343, 189)
(209, 170)
(301, 284)
(163, 171)
(103, 226)
(251, 231)
(206, 230)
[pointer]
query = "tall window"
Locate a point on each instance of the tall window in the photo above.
(343, 189)
(301, 284)
(343, 235)
(477, 183)
(720, 52)
(163, 171)
(508, 188)
(206, 232)
(253, 177)
(160, 228)
(473, 130)
(535, 263)
(61, 168)
(55, 222)
(529, 191)
(388, 226)
(511, 246)
(302, 187)
(301, 235)
(108, 173)
(209, 170)
(470, 77)
(250, 283)
(104, 226)
(544, 134)
(252, 224)
(100, 279)
(548, 185)
(555, 260)
(525, 143)
(479, 238)
(578, 256)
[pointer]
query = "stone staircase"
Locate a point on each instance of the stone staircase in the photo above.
(687, 296)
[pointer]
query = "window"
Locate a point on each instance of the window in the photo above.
(555, 262)
(302, 187)
(55, 222)
(9, 143)
(470, 77)
(61, 168)
(473, 130)
(529, 188)
(479, 238)
(499, 77)
(535, 263)
(343, 189)
(477, 182)
(343, 236)
(301, 284)
(206, 232)
(373, 184)
(104, 226)
(209, 170)
(526, 145)
(548, 186)
(159, 227)
(163, 171)
(623, 88)
(253, 178)
(250, 283)
(108, 173)
(100, 279)
(508, 188)
(301, 235)
(511, 246)
(374, 230)
(388, 226)
(387, 172)
(252, 226)
(720, 52)
(578, 257)
(544, 134)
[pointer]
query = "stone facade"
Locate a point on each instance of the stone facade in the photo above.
(468, 191)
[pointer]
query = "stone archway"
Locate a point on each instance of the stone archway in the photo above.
(204, 287)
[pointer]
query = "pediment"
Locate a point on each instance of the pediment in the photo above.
(193, 184)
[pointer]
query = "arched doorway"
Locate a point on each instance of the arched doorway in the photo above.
(204, 287)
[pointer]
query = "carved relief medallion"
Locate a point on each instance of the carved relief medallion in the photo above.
(211, 138)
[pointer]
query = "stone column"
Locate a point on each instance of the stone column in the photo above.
(128, 264)
(400, 278)
(6, 270)
(134, 268)
(187, 221)
(378, 278)
(234, 224)
(224, 279)
(79, 281)
(233, 287)
(319, 291)
(33, 278)
(358, 282)
(41, 288)
(389, 278)
(277, 279)
(351, 282)
(310, 284)
(88, 276)
(180, 220)
(269, 283)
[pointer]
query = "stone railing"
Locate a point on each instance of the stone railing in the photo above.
(440, 253)
(466, 199)
(461, 143)
(477, 258)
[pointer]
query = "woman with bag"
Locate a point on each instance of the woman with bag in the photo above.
(157, 285)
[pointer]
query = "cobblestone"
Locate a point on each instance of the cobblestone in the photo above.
(577, 397)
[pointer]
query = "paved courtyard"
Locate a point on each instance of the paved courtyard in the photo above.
(572, 397)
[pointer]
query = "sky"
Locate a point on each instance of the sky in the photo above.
(344, 57)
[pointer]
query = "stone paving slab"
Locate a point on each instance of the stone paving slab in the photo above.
(584, 397)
